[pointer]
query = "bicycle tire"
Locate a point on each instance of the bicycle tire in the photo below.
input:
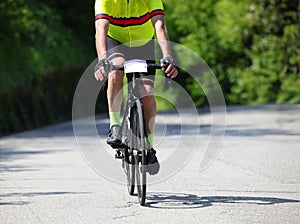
(140, 157)
(128, 164)
(130, 172)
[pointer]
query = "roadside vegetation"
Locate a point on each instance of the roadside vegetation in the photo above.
(252, 47)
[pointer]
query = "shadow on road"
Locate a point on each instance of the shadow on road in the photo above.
(10, 154)
(8, 196)
(190, 201)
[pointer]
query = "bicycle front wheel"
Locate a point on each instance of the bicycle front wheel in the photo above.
(128, 160)
(130, 172)
(138, 125)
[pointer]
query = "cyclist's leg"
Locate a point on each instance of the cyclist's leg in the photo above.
(149, 105)
(114, 91)
(115, 81)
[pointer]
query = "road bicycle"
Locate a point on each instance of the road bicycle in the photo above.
(134, 147)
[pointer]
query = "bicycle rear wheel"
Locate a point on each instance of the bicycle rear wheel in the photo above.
(138, 125)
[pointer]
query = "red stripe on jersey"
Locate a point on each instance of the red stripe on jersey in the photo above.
(132, 21)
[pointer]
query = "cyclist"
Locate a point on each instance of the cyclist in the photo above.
(125, 30)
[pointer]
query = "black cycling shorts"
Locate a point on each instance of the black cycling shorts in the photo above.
(145, 52)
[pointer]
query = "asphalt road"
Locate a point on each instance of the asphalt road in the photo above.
(46, 177)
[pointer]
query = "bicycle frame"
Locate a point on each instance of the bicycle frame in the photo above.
(133, 150)
(133, 82)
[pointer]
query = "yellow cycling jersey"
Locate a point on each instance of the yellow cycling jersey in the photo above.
(130, 20)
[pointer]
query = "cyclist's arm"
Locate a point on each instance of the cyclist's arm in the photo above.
(101, 26)
(159, 25)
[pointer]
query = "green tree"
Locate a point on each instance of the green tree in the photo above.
(252, 46)
(41, 60)
(273, 75)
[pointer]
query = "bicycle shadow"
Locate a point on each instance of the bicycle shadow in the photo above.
(191, 201)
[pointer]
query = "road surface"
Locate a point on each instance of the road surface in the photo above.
(255, 177)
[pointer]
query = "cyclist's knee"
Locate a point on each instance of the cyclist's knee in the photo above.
(116, 77)
(146, 90)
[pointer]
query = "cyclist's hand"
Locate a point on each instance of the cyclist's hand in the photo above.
(168, 65)
(102, 69)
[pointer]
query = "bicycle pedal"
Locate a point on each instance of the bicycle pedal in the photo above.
(119, 154)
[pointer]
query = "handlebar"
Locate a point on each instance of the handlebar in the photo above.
(121, 67)
(155, 66)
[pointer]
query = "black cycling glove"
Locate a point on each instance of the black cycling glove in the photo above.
(167, 61)
(105, 63)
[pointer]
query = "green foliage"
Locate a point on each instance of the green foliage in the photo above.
(35, 42)
(252, 46)
(38, 54)
(274, 54)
